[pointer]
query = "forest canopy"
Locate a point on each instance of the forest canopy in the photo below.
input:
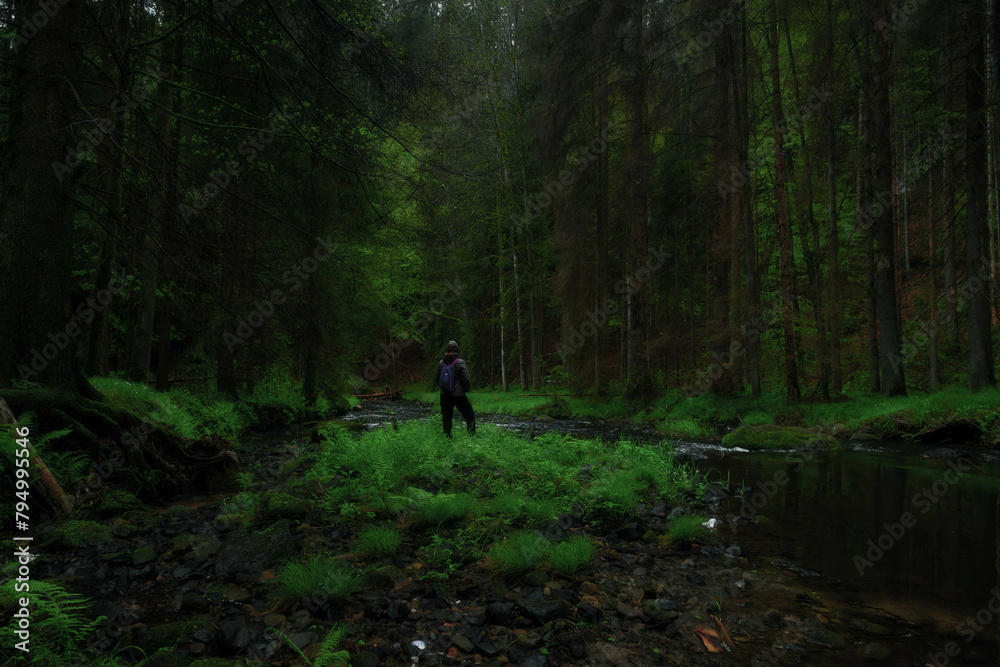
(630, 196)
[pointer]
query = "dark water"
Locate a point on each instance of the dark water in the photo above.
(883, 523)
(886, 527)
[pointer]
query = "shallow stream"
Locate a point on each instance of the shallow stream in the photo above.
(907, 528)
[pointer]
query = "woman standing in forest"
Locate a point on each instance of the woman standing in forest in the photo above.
(453, 379)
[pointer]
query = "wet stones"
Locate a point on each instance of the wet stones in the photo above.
(543, 612)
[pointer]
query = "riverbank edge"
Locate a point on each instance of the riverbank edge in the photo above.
(943, 419)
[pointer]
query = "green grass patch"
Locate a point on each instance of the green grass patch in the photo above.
(299, 580)
(527, 402)
(446, 508)
(378, 542)
(518, 554)
(416, 470)
(685, 529)
(571, 554)
(699, 416)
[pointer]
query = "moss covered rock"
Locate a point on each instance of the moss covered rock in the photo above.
(284, 506)
(143, 555)
(71, 533)
(167, 635)
(769, 436)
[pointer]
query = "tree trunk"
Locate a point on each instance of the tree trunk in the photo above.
(784, 241)
(978, 277)
(38, 337)
(638, 384)
(833, 242)
(889, 335)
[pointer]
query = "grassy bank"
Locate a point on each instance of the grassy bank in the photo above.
(415, 472)
(701, 416)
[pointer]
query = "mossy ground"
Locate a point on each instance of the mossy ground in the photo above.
(701, 416)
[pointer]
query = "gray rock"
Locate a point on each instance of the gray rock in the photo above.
(234, 634)
(462, 642)
(875, 651)
(543, 612)
(499, 614)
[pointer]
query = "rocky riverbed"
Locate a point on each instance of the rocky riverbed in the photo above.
(188, 584)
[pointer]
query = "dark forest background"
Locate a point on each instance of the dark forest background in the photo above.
(631, 195)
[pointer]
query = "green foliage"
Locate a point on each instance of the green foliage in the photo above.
(389, 470)
(184, 413)
(571, 554)
(117, 500)
(378, 542)
(446, 508)
(318, 575)
(329, 653)
(61, 621)
(518, 554)
(698, 416)
(616, 493)
(245, 507)
(685, 529)
(281, 393)
(440, 557)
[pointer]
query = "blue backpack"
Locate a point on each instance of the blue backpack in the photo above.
(447, 379)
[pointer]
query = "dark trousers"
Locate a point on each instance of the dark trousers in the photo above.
(448, 405)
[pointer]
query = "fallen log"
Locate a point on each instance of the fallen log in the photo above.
(382, 395)
(49, 483)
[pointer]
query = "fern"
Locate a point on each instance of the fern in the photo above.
(329, 654)
(61, 621)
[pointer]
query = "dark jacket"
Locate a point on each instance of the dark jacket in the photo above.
(462, 380)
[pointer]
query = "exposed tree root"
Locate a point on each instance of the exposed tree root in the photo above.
(123, 447)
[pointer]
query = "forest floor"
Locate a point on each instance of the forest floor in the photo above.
(208, 580)
(947, 417)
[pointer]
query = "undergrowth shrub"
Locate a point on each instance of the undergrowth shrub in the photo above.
(415, 469)
(685, 529)
(188, 415)
(61, 622)
(518, 554)
(318, 575)
(378, 541)
(571, 554)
